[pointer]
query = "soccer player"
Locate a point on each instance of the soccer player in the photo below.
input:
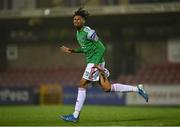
(93, 48)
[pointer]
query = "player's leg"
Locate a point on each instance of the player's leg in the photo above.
(79, 102)
(129, 88)
(81, 97)
(117, 87)
(87, 77)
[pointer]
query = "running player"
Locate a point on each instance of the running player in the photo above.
(93, 48)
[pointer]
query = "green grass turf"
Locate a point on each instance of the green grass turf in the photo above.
(91, 115)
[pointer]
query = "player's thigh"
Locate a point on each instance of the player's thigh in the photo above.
(83, 83)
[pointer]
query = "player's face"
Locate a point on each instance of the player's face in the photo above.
(78, 21)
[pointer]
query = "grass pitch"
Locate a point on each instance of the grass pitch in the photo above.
(90, 116)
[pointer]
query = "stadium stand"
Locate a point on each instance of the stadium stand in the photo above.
(168, 73)
(24, 76)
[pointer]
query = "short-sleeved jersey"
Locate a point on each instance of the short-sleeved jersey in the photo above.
(90, 45)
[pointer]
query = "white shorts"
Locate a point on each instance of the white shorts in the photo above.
(92, 74)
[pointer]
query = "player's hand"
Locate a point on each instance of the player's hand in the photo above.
(66, 49)
(100, 69)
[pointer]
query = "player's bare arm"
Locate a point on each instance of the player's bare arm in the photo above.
(70, 50)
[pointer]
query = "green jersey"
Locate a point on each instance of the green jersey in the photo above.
(90, 44)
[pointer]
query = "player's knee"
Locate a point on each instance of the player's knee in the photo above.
(83, 83)
(107, 90)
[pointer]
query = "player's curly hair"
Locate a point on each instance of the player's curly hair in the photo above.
(81, 12)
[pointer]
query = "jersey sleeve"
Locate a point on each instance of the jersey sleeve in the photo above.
(91, 34)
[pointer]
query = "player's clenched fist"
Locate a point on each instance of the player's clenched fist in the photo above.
(66, 49)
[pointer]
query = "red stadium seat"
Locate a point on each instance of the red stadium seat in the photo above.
(167, 73)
